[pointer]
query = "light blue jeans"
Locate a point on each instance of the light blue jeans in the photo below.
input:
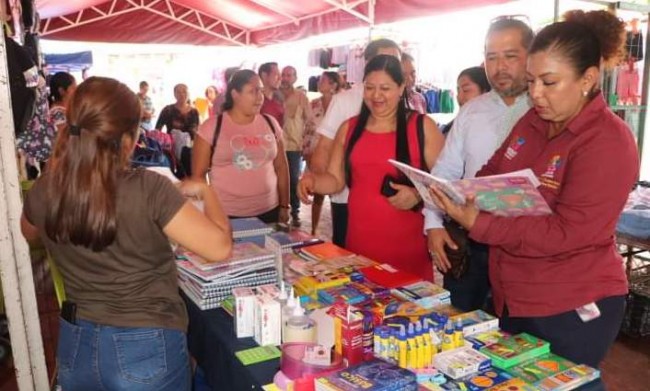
(96, 357)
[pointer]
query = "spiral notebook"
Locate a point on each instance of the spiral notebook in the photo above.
(249, 226)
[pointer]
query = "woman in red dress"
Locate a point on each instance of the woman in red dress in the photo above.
(383, 227)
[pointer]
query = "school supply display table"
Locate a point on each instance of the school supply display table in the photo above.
(213, 343)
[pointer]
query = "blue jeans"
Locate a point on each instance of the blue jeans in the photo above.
(294, 160)
(96, 357)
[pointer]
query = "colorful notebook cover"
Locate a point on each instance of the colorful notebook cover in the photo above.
(249, 226)
(389, 277)
(292, 239)
(540, 368)
(373, 375)
(346, 293)
(513, 350)
(481, 381)
(309, 286)
(569, 379)
(515, 384)
(323, 251)
(511, 194)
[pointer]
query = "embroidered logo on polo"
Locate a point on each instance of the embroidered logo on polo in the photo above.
(552, 166)
(514, 147)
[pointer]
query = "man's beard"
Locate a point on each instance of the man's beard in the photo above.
(514, 90)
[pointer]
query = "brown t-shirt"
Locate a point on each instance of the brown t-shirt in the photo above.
(133, 281)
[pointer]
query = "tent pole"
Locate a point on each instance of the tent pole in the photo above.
(15, 263)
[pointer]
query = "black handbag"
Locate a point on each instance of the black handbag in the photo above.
(458, 258)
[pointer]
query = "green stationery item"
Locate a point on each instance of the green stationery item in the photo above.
(258, 354)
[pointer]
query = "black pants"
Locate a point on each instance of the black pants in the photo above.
(339, 223)
(294, 158)
(472, 291)
(570, 337)
(270, 217)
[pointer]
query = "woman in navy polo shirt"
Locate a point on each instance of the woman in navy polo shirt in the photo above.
(559, 276)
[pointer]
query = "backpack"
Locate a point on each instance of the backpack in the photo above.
(149, 153)
(37, 139)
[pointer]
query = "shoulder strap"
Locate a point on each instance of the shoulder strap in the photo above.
(268, 121)
(215, 137)
(421, 146)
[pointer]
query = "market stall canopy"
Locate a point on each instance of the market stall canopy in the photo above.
(225, 22)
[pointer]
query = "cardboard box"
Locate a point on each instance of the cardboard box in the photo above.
(268, 323)
(244, 313)
(269, 290)
(348, 327)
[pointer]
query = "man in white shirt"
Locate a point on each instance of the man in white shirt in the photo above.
(479, 129)
(344, 105)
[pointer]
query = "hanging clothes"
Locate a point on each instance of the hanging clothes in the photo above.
(340, 54)
(355, 65)
(446, 101)
(634, 45)
(433, 100)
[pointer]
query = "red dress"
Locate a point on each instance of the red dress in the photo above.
(376, 229)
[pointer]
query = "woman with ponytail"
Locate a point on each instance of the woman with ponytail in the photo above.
(108, 227)
(384, 222)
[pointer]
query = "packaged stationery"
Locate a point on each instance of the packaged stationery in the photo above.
(373, 375)
(539, 368)
(515, 349)
(478, 382)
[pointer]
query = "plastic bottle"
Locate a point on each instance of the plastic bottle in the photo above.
(448, 337)
(430, 347)
(300, 327)
(402, 347)
(287, 312)
(459, 337)
(419, 338)
(412, 345)
(282, 298)
(393, 348)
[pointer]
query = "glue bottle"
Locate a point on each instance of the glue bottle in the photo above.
(430, 346)
(419, 337)
(287, 312)
(412, 345)
(459, 337)
(448, 337)
(282, 298)
(402, 347)
(300, 327)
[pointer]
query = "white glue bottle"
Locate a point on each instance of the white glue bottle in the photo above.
(282, 298)
(299, 327)
(287, 311)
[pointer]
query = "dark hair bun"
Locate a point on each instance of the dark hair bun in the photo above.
(608, 28)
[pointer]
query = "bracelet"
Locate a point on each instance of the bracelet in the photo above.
(285, 207)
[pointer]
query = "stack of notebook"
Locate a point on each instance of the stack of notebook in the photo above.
(207, 284)
(249, 226)
(287, 241)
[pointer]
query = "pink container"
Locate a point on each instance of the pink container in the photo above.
(293, 367)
